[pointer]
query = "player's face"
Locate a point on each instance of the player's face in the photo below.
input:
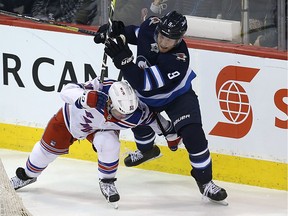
(165, 44)
(115, 113)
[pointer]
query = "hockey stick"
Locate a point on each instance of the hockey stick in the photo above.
(48, 22)
(120, 76)
(104, 69)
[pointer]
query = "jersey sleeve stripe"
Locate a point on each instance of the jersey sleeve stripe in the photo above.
(154, 74)
(147, 82)
(157, 76)
(165, 98)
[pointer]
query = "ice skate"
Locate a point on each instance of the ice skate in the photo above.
(21, 179)
(213, 192)
(109, 191)
(137, 157)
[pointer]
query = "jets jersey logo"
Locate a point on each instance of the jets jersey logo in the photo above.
(142, 62)
(181, 56)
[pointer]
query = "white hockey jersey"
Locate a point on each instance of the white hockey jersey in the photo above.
(82, 122)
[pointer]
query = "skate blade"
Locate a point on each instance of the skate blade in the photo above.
(113, 204)
(222, 202)
(160, 155)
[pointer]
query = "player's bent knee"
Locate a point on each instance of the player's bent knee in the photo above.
(193, 138)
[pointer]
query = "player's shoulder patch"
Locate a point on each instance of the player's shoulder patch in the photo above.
(181, 56)
(154, 20)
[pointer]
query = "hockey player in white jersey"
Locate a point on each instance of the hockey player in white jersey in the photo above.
(93, 114)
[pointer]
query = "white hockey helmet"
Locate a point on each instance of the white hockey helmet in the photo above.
(123, 99)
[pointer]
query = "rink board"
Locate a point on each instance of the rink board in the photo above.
(225, 168)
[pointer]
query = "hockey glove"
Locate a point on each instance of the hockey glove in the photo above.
(173, 141)
(172, 138)
(92, 99)
(119, 51)
(117, 28)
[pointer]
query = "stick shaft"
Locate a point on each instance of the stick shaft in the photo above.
(48, 22)
(104, 70)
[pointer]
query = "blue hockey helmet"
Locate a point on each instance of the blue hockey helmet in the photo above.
(172, 25)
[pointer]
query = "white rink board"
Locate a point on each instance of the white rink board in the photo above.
(31, 106)
(264, 140)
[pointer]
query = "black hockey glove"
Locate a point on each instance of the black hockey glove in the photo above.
(119, 52)
(116, 29)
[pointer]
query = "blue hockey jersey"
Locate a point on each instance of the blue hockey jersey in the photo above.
(157, 77)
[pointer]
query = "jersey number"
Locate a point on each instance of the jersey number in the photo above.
(173, 75)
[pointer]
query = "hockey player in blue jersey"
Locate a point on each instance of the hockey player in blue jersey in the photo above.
(162, 79)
